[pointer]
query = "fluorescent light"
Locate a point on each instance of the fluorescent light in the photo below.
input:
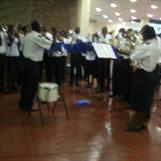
(117, 13)
(160, 18)
(110, 21)
(149, 15)
(120, 19)
(133, 1)
(132, 10)
(114, 5)
(98, 9)
(133, 17)
(105, 16)
(154, 6)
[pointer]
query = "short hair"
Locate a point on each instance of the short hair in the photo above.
(77, 30)
(104, 29)
(35, 25)
(122, 30)
(54, 30)
(148, 32)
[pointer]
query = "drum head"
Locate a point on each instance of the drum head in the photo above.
(48, 85)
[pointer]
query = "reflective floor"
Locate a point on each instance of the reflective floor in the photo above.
(92, 133)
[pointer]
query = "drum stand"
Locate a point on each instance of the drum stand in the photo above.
(60, 99)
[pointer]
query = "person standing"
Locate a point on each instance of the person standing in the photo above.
(63, 38)
(33, 49)
(145, 62)
(104, 64)
(13, 59)
(3, 49)
(75, 58)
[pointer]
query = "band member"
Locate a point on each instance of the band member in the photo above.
(55, 57)
(104, 64)
(63, 38)
(22, 32)
(33, 48)
(91, 62)
(48, 58)
(13, 59)
(122, 71)
(75, 58)
(145, 61)
(3, 49)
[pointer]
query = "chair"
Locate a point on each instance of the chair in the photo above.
(49, 93)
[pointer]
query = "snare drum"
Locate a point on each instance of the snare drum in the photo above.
(48, 92)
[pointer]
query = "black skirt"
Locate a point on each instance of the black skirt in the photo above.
(143, 87)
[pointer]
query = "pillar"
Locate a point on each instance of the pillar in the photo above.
(84, 16)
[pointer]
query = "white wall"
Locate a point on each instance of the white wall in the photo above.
(95, 26)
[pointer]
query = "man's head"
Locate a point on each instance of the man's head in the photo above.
(36, 26)
(104, 30)
(148, 32)
(77, 30)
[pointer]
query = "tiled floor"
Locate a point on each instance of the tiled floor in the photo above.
(92, 133)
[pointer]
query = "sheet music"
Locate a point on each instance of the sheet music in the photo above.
(104, 51)
(109, 51)
(99, 50)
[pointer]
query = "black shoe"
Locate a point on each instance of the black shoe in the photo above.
(4, 91)
(77, 84)
(98, 90)
(30, 110)
(70, 83)
(25, 109)
(34, 110)
(135, 128)
(89, 85)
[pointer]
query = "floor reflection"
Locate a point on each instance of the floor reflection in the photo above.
(95, 133)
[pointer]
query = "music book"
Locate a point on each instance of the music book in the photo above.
(104, 51)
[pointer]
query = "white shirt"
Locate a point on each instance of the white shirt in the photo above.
(59, 53)
(90, 56)
(13, 49)
(33, 46)
(74, 37)
(105, 39)
(49, 36)
(3, 47)
(147, 55)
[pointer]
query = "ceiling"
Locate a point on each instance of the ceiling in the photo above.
(142, 7)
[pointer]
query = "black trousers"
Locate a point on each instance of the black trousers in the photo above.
(3, 73)
(32, 72)
(76, 73)
(63, 68)
(116, 78)
(54, 70)
(104, 71)
(143, 88)
(13, 71)
(122, 79)
(126, 76)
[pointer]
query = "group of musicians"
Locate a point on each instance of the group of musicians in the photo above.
(135, 72)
